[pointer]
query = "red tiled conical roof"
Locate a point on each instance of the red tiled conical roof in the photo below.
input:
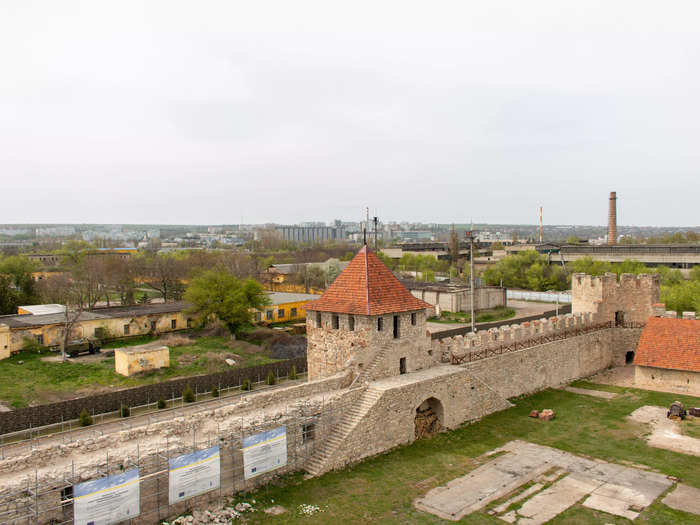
(366, 287)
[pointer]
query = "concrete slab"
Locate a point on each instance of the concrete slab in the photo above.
(553, 501)
(610, 505)
(616, 488)
(665, 433)
(589, 392)
(684, 498)
(480, 487)
(519, 497)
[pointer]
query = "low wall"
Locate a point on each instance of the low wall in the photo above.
(677, 380)
(48, 414)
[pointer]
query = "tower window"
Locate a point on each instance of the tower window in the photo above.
(396, 327)
(413, 319)
(380, 324)
(336, 322)
(318, 319)
(351, 323)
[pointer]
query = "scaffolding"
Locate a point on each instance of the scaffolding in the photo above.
(308, 424)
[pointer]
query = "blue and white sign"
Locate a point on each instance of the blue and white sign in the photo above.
(194, 474)
(264, 452)
(107, 500)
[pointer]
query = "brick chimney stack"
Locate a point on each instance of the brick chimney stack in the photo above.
(612, 219)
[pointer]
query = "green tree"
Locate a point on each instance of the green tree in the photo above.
(497, 246)
(218, 294)
(573, 240)
(590, 266)
(19, 270)
(695, 273)
(527, 270)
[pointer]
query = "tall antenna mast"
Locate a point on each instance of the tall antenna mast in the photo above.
(376, 221)
(541, 226)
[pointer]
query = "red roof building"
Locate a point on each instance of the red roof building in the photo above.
(367, 287)
(670, 343)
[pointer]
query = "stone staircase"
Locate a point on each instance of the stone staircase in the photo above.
(366, 374)
(321, 461)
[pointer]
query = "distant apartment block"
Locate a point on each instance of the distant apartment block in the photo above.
(312, 234)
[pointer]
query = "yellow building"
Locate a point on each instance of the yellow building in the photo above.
(4, 341)
(102, 323)
(284, 307)
(132, 360)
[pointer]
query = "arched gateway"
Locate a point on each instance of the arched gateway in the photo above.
(429, 418)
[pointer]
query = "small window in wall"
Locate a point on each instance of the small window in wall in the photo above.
(351, 323)
(173, 324)
(396, 327)
(402, 365)
(318, 319)
(258, 316)
(380, 324)
(126, 329)
(99, 332)
(189, 322)
(619, 318)
(336, 322)
(268, 315)
(280, 313)
(153, 326)
(413, 318)
(308, 432)
(293, 312)
(40, 339)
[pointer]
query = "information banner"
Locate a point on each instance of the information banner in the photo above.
(194, 474)
(264, 452)
(107, 500)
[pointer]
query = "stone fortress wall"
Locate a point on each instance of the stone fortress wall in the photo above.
(371, 389)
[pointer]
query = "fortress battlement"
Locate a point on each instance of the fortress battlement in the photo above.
(604, 283)
(461, 345)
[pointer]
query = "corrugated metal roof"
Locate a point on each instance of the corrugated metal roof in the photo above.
(278, 298)
(116, 312)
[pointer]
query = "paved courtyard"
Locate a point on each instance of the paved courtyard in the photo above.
(543, 482)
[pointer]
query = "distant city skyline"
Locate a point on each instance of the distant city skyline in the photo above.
(162, 113)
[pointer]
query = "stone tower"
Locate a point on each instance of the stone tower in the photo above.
(629, 300)
(367, 322)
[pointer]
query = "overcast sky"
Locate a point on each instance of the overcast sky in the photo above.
(221, 112)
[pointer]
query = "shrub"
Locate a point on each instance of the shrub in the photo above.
(246, 384)
(85, 418)
(161, 403)
(31, 345)
(125, 411)
(293, 372)
(215, 391)
(271, 379)
(188, 395)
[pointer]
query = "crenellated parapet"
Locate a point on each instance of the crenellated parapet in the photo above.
(472, 346)
(627, 300)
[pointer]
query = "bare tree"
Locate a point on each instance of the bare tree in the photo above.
(164, 273)
(62, 289)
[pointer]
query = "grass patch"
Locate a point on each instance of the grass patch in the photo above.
(381, 489)
(484, 316)
(36, 381)
(691, 427)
